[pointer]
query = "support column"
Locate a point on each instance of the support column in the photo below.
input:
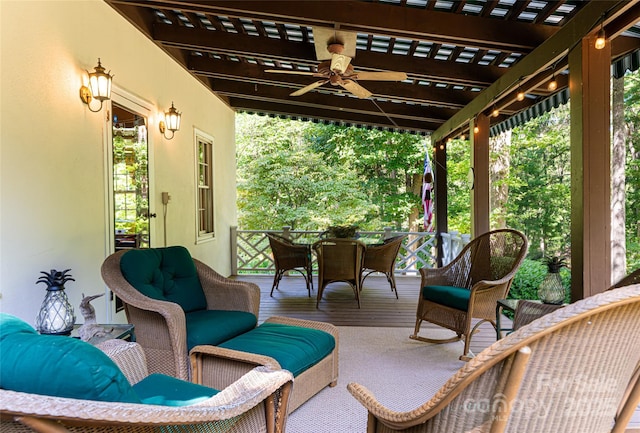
(480, 176)
(589, 86)
(440, 195)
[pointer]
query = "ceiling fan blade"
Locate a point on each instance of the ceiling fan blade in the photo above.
(339, 63)
(381, 76)
(356, 89)
(311, 86)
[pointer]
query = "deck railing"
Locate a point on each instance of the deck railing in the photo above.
(251, 254)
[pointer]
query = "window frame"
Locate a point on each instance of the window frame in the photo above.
(204, 192)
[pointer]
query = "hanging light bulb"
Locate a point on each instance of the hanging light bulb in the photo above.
(476, 129)
(601, 39)
(520, 95)
(495, 112)
(553, 84)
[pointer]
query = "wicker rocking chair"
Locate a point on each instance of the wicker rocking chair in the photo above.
(470, 286)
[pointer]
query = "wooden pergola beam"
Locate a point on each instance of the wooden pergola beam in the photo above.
(543, 57)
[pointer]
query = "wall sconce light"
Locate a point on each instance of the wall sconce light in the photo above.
(99, 87)
(171, 122)
(553, 84)
(601, 39)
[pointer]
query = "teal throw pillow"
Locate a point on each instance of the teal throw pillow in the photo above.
(58, 366)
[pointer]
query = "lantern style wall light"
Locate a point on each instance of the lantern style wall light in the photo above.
(99, 87)
(171, 122)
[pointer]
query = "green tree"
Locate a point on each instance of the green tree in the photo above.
(283, 182)
(540, 183)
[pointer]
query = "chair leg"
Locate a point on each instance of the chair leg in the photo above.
(392, 281)
(276, 281)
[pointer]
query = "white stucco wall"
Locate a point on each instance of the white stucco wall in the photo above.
(52, 158)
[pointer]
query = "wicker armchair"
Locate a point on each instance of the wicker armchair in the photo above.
(160, 326)
(470, 286)
(255, 403)
(288, 256)
(339, 260)
(573, 370)
(382, 258)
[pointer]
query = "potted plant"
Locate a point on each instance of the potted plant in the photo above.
(551, 290)
(345, 231)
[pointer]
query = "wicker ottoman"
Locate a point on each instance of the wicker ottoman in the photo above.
(217, 367)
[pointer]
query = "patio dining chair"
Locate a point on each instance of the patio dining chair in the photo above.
(574, 370)
(382, 258)
(288, 256)
(339, 260)
(470, 286)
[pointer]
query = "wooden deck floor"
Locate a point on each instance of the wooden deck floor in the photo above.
(379, 306)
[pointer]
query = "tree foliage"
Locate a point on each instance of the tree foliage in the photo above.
(310, 176)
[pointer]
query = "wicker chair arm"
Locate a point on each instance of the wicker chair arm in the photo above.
(226, 294)
(128, 356)
(199, 352)
(239, 398)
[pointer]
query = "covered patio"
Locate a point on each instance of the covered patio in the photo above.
(470, 68)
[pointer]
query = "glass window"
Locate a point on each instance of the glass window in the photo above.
(205, 203)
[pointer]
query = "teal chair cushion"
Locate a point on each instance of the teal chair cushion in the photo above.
(212, 327)
(166, 274)
(165, 390)
(295, 348)
(451, 296)
(57, 365)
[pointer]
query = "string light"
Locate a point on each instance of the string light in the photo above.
(476, 129)
(553, 84)
(601, 39)
(520, 95)
(495, 112)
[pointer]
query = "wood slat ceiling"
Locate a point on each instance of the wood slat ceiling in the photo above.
(452, 51)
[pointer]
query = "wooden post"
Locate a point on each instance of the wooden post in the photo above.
(234, 250)
(589, 86)
(440, 196)
(480, 176)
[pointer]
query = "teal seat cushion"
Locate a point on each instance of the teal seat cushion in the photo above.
(167, 274)
(212, 327)
(295, 348)
(57, 365)
(451, 296)
(165, 390)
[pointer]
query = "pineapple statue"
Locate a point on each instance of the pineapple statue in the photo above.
(56, 314)
(551, 290)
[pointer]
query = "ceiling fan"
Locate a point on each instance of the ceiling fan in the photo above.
(335, 49)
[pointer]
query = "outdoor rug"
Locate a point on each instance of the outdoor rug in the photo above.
(402, 374)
